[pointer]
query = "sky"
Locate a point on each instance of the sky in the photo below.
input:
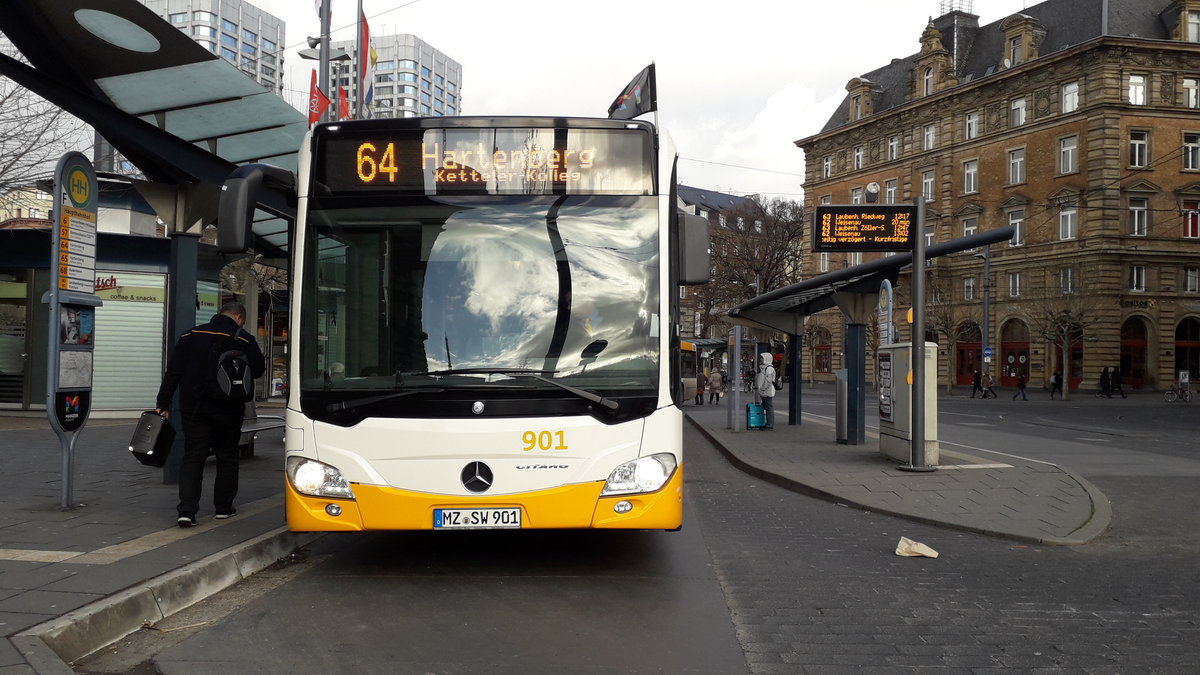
(738, 82)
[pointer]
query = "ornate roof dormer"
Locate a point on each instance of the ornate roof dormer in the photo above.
(934, 69)
(862, 94)
(1023, 36)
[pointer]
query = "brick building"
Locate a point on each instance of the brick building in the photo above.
(1078, 123)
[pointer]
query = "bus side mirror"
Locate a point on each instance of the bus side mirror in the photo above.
(239, 199)
(694, 265)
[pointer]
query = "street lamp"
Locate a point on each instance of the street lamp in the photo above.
(319, 50)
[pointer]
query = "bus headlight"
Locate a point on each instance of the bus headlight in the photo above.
(644, 474)
(317, 479)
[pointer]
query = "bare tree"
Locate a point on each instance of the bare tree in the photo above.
(34, 134)
(757, 251)
(1062, 314)
(234, 276)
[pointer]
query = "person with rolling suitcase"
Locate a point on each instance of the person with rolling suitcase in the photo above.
(766, 387)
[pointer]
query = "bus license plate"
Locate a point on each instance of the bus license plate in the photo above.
(466, 519)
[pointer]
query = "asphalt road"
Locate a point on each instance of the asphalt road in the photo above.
(761, 580)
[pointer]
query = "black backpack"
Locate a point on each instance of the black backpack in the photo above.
(229, 379)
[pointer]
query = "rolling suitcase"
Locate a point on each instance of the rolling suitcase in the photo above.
(755, 418)
(152, 439)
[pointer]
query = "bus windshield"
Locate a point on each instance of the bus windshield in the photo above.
(426, 294)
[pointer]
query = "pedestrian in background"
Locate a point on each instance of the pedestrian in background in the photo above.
(1114, 385)
(1020, 388)
(765, 384)
(209, 424)
(716, 383)
(1104, 383)
(700, 380)
(977, 385)
(1056, 384)
(988, 383)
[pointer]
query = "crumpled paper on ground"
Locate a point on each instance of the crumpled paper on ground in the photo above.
(910, 548)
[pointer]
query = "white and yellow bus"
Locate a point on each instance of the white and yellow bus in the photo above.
(482, 323)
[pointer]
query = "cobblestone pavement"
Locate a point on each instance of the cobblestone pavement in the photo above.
(814, 587)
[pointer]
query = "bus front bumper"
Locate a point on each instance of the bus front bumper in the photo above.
(568, 507)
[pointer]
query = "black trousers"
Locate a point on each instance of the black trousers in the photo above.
(217, 431)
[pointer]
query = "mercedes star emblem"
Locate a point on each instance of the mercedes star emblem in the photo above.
(476, 477)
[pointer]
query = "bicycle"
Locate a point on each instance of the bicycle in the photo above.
(1178, 392)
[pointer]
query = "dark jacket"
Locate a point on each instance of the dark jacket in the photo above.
(188, 366)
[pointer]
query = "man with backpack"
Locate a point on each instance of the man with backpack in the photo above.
(213, 366)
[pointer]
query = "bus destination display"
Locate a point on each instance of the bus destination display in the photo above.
(864, 227)
(486, 161)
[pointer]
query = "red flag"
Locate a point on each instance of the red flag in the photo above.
(317, 101)
(343, 104)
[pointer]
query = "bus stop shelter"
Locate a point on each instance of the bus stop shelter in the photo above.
(855, 290)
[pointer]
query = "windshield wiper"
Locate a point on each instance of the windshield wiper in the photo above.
(485, 371)
(581, 393)
(370, 400)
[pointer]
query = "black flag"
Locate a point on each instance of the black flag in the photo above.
(639, 96)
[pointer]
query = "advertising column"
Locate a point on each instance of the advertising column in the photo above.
(73, 303)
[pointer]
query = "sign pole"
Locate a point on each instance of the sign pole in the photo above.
(71, 328)
(917, 345)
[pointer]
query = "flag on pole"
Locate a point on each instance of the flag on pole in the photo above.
(364, 57)
(369, 97)
(639, 96)
(317, 100)
(343, 104)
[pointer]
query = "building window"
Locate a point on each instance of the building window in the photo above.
(968, 288)
(893, 147)
(1137, 278)
(1191, 219)
(1193, 26)
(929, 237)
(971, 126)
(426, 72)
(889, 191)
(249, 36)
(927, 185)
(741, 224)
(826, 199)
(1191, 151)
(1017, 220)
(856, 195)
(204, 16)
(1139, 149)
(858, 158)
(1070, 97)
(1016, 54)
(824, 262)
(1191, 279)
(927, 81)
(182, 17)
(721, 220)
(1139, 216)
(758, 225)
(1191, 92)
(268, 46)
(856, 108)
(929, 137)
(970, 226)
(971, 176)
(1014, 284)
(1066, 281)
(1068, 223)
(1016, 115)
(826, 166)
(204, 31)
(856, 258)
(1068, 154)
(230, 26)
(1016, 166)
(228, 40)
(228, 54)
(408, 64)
(1137, 89)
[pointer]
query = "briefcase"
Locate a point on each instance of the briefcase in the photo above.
(152, 439)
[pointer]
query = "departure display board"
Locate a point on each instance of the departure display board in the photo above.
(865, 227)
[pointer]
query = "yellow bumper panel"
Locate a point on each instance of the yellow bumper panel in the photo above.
(569, 507)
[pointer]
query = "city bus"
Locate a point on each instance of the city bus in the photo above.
(483, 323)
